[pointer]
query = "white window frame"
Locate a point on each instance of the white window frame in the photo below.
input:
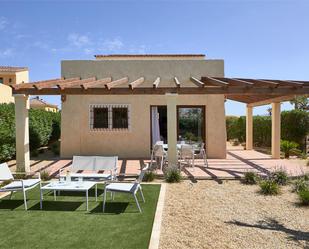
(110, 117)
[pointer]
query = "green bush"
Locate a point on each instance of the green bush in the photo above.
(300, 184)
(172, 175)
(269, 187)
(304, 197)
(45, 176)
(149, 176)
(287, 147)
(250, 177)
(55, 147)
(280, 177)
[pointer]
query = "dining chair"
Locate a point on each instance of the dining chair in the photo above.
(158, 153)
(187, 154)
(201, 153)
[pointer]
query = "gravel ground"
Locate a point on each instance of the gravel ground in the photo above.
(232, 215)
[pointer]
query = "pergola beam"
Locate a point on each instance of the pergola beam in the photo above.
(136, 83)
(53, 83)
(75, 83)
(237, 82)
(197, 82)
(103, 81)
(116, 83)
(262, 82)
(156, 83)
(177, 82)
(214, 81)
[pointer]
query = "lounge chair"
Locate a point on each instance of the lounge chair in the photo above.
(128, 188)
(17, 185)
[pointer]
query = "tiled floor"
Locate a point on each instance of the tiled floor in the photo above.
(237, 162)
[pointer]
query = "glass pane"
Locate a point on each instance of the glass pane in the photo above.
(191, 125)
(1, 80)
(100, 117)
(120, 117)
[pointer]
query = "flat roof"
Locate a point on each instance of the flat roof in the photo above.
(12, 69)
(150, 56)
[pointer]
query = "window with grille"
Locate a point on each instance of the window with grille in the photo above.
(109, 117)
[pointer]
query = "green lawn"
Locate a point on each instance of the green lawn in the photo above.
(65, 223)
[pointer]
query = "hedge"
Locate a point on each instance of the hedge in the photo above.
(294, 127)
(44, 127)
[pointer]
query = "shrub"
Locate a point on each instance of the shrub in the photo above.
(269, 187)
(300, 184)
(280, 177)
(45, 176)
(55, 147)
(149, 176)
(172, 175)
(304, 197)
(287, 147)
(250, 177)
(5, 182)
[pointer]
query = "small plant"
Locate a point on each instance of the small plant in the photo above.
(307, 164)
(280, 177)
(45, 176)
(301, 184)
(288, 147)
(172, 175)
(149, 176)
(5, 182)
(304, 197)
(251, 177)
(269, 187)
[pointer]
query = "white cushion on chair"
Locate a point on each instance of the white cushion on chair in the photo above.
(17, 184)
(121, 187)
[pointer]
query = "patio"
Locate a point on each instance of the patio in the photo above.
(238, 162)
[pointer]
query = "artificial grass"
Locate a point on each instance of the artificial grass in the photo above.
(66, 224)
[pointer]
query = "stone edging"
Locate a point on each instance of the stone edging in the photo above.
(156, 228)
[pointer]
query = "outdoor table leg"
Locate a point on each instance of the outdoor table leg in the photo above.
(87, 200)
(96, 192)
(55, 195)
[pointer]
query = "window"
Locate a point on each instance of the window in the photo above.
(1, 80)
(109, 117)
(10, 80)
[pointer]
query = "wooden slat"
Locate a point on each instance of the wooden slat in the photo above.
(75, 83)
(290, 83)
(236, 82)
(214, 81)
(197, 82)
(156, 83)
(258, 82)
(32, 84)
(136, 83)
(117, 83)
(177, 82)
(53, 83)
(103, 81)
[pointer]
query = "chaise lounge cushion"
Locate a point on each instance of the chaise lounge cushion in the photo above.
(17, 184)
(121, 187)
(91, 175)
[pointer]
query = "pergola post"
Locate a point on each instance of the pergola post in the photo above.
(172, 128)
(249, 128)
(22, 133)
(275, 130)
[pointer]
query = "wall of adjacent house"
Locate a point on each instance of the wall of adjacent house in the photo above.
(6, 94)
(77, 138)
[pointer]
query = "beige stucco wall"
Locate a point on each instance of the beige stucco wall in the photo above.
(78, 139)
(6, 94)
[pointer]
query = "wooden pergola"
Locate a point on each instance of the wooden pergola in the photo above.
(252, 92)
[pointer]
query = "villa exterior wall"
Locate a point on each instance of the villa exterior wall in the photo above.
(78, 139)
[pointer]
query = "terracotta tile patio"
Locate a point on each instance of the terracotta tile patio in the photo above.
(238, 162)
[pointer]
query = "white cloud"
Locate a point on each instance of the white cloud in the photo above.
(8, 52)
(111, 45)
(78, 40)
(3, 22)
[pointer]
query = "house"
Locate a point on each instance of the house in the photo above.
(9, 76)
(37, 103)
(122, 104)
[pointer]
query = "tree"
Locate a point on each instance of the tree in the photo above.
(300, 103)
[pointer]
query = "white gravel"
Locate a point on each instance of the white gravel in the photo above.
(232, 215)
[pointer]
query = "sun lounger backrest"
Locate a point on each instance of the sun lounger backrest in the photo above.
(106, 163)
(5, 173)
(83, 163)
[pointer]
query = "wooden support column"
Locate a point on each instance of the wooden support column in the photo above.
(275, 130)
(249, 128)
(171, 100)
(22, 133)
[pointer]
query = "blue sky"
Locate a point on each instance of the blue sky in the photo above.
(257, 39)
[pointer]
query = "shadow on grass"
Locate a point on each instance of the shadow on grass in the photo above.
(58, 206)
(11, 204)
(274, 225)
(111, 208)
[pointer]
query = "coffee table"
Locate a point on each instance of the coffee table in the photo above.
(78, 186)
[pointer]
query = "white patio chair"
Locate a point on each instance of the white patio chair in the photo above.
(186, 154)
(17, 185)
(201, 153)
(158, 152)
(128, 188)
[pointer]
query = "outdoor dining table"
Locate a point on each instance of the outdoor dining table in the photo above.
(80, 186)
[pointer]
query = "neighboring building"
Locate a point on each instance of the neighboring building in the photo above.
(37, 103)
(10, 76)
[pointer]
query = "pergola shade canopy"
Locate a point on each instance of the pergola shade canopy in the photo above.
(238, 89)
